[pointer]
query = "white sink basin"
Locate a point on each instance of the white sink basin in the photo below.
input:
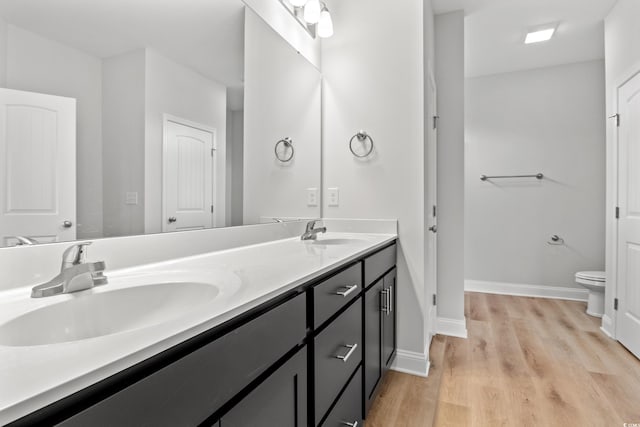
(333, 242)
(90, 315)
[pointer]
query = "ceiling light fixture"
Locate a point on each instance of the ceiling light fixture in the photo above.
(298, 3)
(538, 36)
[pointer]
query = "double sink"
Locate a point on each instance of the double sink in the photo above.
(130, 302)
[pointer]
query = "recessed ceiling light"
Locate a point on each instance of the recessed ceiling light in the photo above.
(539, 36)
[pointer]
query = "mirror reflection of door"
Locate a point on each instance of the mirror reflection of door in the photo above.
(188, 176)
(38, 157)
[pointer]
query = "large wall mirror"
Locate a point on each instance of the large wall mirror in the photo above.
(126, 117)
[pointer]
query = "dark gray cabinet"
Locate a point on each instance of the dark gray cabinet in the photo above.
(389, 319)
(281, 400)
(379, 333)
(373, 341)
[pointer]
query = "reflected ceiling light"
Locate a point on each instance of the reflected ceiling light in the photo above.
(540, 35)
(298, 3)
(312, 11)
(325, 24)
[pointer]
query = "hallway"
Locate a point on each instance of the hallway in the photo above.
(527, 361)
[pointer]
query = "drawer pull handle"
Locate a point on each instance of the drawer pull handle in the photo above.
(353, 424)
(347, 290)
(346, 357)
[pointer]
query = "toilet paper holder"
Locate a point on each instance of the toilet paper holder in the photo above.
(555, 240)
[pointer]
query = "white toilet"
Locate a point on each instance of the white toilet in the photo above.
(594, 281)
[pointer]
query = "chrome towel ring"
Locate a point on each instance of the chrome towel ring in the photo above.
(362, 137)
(288, 146)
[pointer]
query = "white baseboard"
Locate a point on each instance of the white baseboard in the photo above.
(607, 327)
(410, 362)
(451, 327)
(524, 290)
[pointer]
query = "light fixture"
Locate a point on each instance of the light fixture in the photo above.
(298, 3)
(325, 24)
(312, 11)
(539, 35)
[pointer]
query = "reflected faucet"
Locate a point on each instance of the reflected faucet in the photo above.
(22, 240)
(75, 274)
(310, 232)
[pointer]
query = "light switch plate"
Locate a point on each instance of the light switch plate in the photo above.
(131, 198)
(312, 197)
(333, 196)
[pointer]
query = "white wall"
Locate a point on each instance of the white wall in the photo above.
(373, 80)
(622, 60)
(449, 71)
(36, 64)
(123, 148)
(174, 89)
(282, 99)
(281, 20)
(548, 120)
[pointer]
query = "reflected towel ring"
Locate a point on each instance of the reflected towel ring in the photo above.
(288, 143)
(362, 137)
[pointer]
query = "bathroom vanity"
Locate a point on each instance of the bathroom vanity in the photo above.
(300, 333)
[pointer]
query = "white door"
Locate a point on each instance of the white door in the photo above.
(37, 167)
(431, 198)
(188, 176)
(628, 289)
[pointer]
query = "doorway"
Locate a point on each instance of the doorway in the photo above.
(188, 175)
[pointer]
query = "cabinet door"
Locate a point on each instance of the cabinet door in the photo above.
(373, 341)
(281, 400)
(389, 318)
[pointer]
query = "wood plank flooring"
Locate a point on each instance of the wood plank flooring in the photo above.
(527, 362)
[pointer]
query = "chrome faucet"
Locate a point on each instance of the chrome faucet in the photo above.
(310, 232)
(75, 274)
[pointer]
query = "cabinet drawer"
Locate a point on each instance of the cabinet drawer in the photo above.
(335, 292)
(378, 264)
(338, 352)
(348, 410)
(194, 387)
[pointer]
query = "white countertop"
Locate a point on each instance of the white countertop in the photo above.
(32, 377)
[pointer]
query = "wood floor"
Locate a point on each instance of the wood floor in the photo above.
(527, 362)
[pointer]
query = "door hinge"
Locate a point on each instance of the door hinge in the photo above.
(212, 150)
(615, 304)
(211, 208)
(617, 117)
(435, 299)
(435, 122)
(617, 212)
(435, 211)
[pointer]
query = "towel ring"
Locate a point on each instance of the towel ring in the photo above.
(288, 143)
(362, 137)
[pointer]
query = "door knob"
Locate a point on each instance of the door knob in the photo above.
(67, 224)
(172, 219)
(433, 229)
